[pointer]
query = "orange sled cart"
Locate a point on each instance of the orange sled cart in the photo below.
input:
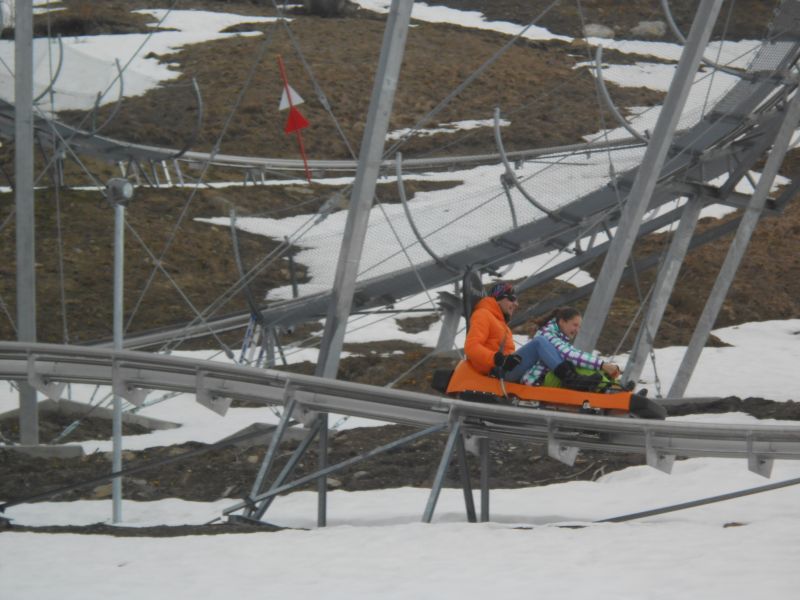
(467, 384)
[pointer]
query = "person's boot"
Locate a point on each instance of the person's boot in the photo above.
(572, 380)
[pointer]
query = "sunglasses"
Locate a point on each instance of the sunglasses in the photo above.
(512, 297)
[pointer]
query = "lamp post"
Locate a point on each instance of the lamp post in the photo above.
(119, 192)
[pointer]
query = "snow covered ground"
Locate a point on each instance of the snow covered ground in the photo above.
(542, 541)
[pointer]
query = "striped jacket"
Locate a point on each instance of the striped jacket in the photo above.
(552, 332)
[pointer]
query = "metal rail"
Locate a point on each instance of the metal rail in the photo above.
(84, 142)
(134, 374)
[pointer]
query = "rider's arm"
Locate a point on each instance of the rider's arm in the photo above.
(569, 352)
(480, 356)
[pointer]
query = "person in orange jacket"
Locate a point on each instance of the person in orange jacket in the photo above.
(489, 340)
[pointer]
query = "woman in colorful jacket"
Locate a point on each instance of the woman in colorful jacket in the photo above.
(560, 329)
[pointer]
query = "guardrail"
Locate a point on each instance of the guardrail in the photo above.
(133, 375)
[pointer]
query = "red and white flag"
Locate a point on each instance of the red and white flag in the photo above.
(289, 97)
(296, 122)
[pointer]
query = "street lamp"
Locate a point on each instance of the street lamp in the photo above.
(119, 192)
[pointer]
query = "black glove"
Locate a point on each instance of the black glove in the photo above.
(499, 359)
(506, 362)
(511, 362)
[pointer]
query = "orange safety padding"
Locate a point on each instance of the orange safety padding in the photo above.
(467, 379)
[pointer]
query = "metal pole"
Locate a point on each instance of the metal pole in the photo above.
(466, 484)
(441, 471)
(483, 445)
(738, 247)
(662, 290)
(287, 470)
(369, 161)
(277, 436)
(363, 192)
(116, 424)
(451, 307)
(25, 208)
(322, 463)
(644, 184)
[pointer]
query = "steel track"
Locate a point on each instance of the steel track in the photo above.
(134, 374)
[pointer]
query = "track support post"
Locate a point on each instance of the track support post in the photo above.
(483, 450)
(438, 480)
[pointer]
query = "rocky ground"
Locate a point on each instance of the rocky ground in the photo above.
(341, 53)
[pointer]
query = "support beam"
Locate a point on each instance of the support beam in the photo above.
(268, 332)
(451, 306)
(276, 489)
(116, 424)
(25, 207)
(737, 249)
(322, 465)
(288, 469)
(438, 480)
(369, 162)
(483, 448)
(662, 290)
(466, 484)
(651, 261)
(647, 175)
(364, 186)
(274, 442)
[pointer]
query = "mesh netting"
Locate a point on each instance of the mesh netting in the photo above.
(477, 208)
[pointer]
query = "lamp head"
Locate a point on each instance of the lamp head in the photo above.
(119, 190)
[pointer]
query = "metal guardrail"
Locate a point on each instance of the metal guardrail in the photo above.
(133, 374)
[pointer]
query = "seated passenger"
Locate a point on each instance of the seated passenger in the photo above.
(489, 347)
(560, 328)
(489, 344)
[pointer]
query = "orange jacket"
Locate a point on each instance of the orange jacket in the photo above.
(488, 334)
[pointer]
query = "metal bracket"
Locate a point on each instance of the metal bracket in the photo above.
(218, 404)
(119, 387)
(50, 389)
(658, 459)
(559, 450)
(472, 444)
(758, 463)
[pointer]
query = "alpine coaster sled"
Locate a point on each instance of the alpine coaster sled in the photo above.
(466, 383)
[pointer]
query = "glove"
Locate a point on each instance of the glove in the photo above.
(511, 362)
(506, 362)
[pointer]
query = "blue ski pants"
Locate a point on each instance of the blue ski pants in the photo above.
(538, 349)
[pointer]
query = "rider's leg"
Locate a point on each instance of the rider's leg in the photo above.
(529, 353)
(537, 349)
(547, 352)
(571, 379)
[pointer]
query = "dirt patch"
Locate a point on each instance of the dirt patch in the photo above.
(744, 19)
(341, 55)
(757, 407)
(157, 531)
(59, 428)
